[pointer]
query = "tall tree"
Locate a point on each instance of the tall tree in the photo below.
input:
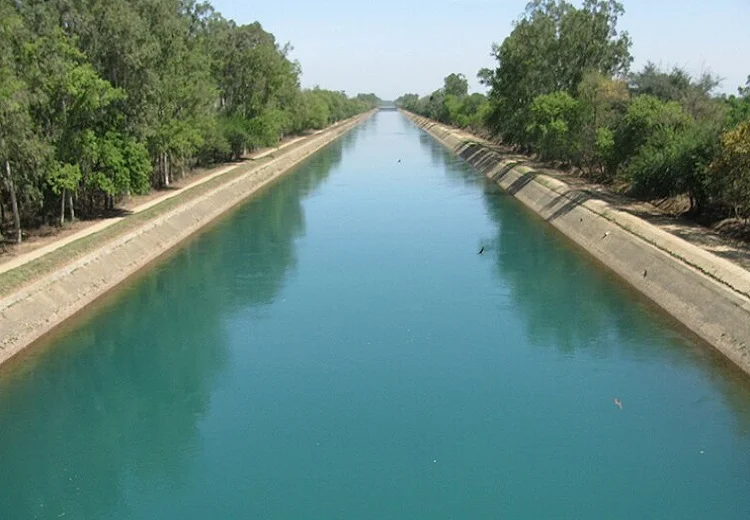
(456, 85)
(21, 148)
(551, 49)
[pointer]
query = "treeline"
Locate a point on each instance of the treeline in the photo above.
(452, 104)
(105, 98)
(563, 90)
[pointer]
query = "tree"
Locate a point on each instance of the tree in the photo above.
(731, 170)
(663, 150)
(738, 107)
(667, 86)
(456, 85)
(678, 85)
(553, 120)
(21, 149)
(408, 102)
(551, 49)
(451, 104)
(602, 101)
(64, 179)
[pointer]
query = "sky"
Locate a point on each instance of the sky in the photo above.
(391, 47)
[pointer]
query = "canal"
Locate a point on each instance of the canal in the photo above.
(336, 348)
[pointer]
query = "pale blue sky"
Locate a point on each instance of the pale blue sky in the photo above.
(390, 47)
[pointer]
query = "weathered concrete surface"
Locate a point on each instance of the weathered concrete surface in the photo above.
(36, 309)
(708, 294)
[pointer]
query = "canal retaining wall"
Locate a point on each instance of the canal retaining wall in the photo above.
(708, 294)
(36, 309)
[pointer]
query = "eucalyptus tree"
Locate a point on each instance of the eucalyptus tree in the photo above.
(456, 85)
(551, 48)
(21, 148)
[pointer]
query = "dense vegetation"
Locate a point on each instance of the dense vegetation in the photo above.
(451, 104)
(104, 98)
(563, 90)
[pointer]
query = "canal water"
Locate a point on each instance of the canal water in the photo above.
(336, 348)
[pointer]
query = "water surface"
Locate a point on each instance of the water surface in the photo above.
(336, 348)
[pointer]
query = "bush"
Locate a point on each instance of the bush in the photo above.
(553, 121)
(731, 170)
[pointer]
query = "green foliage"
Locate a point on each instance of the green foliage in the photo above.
(456, 85)
(265, 129)
(663, 164)
(552, 47)
(20, 143)
(369, 100)
(216, 145)
(236, 134)
(731, 170)
(122, 165)
(738, 107)
(602, 152)
(138, 164)
(314, 112)
(450, 104)
(553, 119)
(664, 151)
(693, 95)
(602, 101)
(667, 86)
(408, 102)
(63, 177)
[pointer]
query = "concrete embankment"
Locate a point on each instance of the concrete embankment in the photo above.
(36, 309)
(708, 294)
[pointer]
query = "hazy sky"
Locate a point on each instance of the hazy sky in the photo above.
(390, 47)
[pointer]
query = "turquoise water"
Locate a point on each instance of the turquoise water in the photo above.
(337, 348)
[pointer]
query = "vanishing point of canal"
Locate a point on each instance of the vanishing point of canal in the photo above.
(336, 348)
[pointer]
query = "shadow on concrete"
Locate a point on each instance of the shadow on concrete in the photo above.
(521, 183)
(501, 173)
(572, 201)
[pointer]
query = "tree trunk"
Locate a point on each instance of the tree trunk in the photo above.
(14, 204)
(166, 170)
(62, 208)
(2, 213)
(164, 178)
(693, 203)
(2, 222)
(70, 205)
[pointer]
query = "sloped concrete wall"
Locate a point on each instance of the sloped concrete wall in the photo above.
(35, 310)
(708, 294)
